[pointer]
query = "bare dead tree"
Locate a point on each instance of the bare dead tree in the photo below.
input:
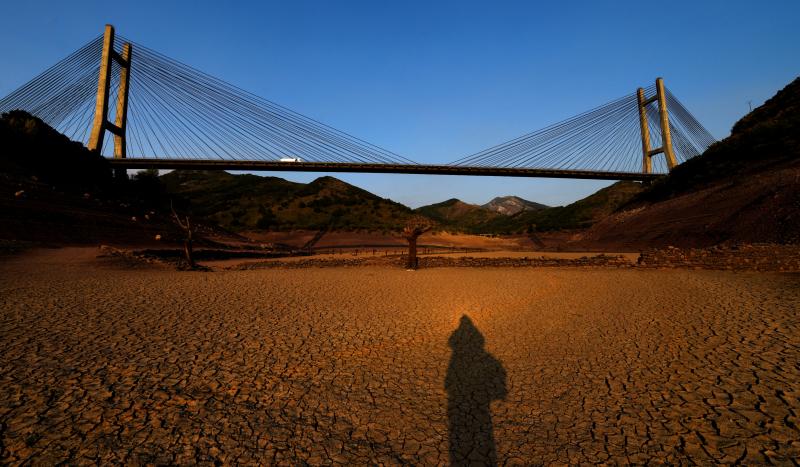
(188, 229)
(415, 226)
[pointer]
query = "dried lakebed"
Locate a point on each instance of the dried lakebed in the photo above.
(370, 365)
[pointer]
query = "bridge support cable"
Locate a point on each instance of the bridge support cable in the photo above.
(168, 111)
(63, 95)
(175, 111)
(608, 138)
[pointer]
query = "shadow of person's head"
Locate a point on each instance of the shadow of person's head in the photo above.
(466, 337)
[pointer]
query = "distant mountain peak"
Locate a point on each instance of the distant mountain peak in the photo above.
(328, 180)
(511, 205)
(451, 202)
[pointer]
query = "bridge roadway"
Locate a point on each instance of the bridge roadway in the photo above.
(275, 166)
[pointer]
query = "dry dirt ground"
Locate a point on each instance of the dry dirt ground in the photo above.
(371, 365)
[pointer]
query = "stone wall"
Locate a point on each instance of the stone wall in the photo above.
(538, 261)
(442, 262)
(748, 257)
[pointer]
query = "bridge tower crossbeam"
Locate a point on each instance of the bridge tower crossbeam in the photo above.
(101, 124)
(666, 137)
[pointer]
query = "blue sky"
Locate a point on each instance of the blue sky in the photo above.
(435, 81)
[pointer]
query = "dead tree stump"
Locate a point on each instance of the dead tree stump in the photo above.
(415, 226)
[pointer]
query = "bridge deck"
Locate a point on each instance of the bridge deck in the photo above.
(274, 166)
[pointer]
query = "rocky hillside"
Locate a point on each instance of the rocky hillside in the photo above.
(250, 202)
(578, 215)
(510, 205)
(459, 216)
(745, 188)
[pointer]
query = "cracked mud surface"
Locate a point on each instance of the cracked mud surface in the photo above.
(379, 365)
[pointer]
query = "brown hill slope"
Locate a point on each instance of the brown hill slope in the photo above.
(745, 188)
(54, 191)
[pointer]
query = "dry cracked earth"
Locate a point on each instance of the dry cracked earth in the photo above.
(373, 365)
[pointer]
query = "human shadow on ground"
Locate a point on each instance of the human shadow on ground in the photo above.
(474, 379)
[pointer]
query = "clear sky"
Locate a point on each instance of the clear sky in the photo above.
(437, 80)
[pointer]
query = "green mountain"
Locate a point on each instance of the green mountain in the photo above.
(578, 215)
(457, 215)
(250, 202)
(245, 202)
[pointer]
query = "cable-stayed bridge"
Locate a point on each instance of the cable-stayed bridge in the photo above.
(142, 109)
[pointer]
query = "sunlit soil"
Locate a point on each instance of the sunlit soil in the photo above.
(361, 365)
